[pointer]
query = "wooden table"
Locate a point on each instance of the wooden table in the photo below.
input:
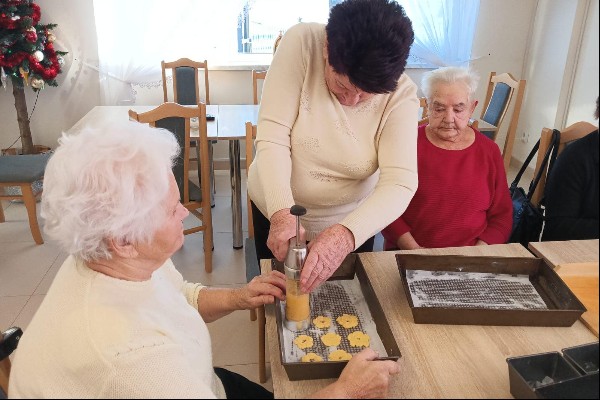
(569, 251)
(438, 361)
(229, 124)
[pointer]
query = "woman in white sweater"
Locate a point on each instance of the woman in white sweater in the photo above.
(337, 133)
(119, 321)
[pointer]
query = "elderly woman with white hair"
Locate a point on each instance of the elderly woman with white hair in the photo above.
(463, 197)
(119, 321)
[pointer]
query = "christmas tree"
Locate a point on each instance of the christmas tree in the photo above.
(27, 57)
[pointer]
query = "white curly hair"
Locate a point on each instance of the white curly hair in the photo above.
(107, 182)
(449, 75)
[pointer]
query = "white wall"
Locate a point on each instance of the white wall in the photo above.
(585, 85)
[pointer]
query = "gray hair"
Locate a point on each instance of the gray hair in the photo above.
(449, 75)
(108, 182)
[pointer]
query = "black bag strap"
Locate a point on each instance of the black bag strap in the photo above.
(515, 182)
(552, 150)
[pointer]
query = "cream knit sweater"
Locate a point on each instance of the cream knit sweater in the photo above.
(351, 165)
(99, 337)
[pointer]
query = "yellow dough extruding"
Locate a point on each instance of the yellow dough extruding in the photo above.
(304, 341)
(347, 321)
(312, 357)
(331, 339)
(359, 339)
(322, 322)
(339, 355)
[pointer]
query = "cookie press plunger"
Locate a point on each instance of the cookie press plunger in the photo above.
(297, 304)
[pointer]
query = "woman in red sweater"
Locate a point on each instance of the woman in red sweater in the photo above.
(463, 197)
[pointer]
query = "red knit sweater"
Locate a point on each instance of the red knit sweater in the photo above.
(462, 197)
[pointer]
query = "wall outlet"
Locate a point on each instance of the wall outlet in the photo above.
(525, 137)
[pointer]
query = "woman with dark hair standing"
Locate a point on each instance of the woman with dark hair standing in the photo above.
(337, 134)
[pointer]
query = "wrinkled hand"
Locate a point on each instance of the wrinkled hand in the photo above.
(480, 243)
(261, 290)
(325, 254)
(364, 378)
(283, 228)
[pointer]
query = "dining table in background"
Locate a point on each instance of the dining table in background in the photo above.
(229, 124)
(438, 361)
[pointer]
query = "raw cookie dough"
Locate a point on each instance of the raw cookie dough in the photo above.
(322, 322)
(312, 357)
(304, 341)
(331, 339)
(347, 321)
(358, 339)
(339, 355)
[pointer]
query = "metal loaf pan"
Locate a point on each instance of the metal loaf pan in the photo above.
(563, 307)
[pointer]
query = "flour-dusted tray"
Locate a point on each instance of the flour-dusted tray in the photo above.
(464, 290)
(332, 301)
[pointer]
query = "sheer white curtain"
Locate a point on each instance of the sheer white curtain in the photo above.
(444, 30)
(135, 35)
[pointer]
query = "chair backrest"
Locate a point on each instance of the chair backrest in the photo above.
(186, 81)
(256, 76)
(250, 137)
(425, 113)
(567, 135)
(177, 119)
(500, 92)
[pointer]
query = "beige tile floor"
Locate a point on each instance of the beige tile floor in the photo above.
(27, 270)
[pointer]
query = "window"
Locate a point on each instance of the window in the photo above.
(134, 36)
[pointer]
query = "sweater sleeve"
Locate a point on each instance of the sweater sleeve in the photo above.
(278, 112)
(500, 213)
(565, 194)
(393, 231)
(397, 158)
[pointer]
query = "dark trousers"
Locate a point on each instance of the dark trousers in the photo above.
(261, 233)
(238, 387)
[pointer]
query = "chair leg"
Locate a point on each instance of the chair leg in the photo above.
(253, 314)
(1, 212)
(262, 366)
(208, 249)
(29, 200)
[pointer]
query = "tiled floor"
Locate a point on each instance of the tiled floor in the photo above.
(27, 270)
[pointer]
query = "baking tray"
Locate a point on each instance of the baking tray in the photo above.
(563, 307)
(332, 369)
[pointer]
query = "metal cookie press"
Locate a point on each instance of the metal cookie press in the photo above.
(297, 305)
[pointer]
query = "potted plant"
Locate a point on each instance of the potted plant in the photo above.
(27, 58)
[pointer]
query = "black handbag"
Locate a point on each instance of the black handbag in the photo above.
(528, 219)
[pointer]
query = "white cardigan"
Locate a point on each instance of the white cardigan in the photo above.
(351, 165)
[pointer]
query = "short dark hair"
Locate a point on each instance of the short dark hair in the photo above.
(369, 42)
(597, 107)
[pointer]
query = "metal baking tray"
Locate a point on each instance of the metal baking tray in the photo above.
(332, 369)
(562, 306)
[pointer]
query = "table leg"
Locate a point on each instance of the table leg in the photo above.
(212, 171)
(236, 193)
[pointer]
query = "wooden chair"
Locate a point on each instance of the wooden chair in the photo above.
(186, 91)
(500, 91)
(185, 73)
(9, 340)
(567, 135)
(176, 118)
(252, 267)
(21, 171)
(256, 76)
